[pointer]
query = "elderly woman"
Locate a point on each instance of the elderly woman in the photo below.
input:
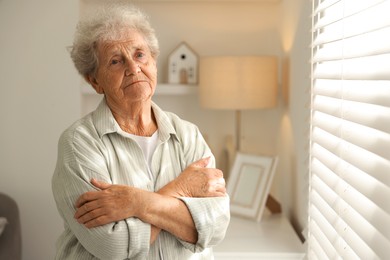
(133, 181)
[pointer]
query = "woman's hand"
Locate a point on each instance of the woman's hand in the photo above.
(197, 181)
(112, 203)
(117, 202)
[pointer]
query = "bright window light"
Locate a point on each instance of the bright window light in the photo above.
(349, 209)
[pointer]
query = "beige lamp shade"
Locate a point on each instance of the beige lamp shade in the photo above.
(238, 82)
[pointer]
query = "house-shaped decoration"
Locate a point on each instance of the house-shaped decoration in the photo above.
(183, 65)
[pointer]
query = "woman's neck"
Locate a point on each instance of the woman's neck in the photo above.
(136, 119)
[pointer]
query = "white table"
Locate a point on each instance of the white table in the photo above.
(272, 238)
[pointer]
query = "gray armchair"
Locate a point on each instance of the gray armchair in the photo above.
(11, 238)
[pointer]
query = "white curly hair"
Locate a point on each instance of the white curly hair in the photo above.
(109, 22)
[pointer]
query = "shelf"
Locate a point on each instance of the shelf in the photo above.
(272, 238)
(176, 89)
(162, 89)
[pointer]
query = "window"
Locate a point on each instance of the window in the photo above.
(349, 201)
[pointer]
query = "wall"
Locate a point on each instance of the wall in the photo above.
(39, 98)
(40, 95)
(295, 36)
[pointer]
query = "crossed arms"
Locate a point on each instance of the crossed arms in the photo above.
(163, 209)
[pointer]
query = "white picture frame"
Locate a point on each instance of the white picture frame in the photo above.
(249, 184)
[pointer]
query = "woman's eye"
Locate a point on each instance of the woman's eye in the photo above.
(140, 55)
(115, 61)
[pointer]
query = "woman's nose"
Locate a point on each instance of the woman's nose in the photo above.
(132, 68)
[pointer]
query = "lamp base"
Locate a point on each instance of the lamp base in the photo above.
(230, 151)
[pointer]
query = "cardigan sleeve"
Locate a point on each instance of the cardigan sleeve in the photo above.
(211, 215)
(129, 238)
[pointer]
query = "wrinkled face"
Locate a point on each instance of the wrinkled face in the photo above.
(127, 72)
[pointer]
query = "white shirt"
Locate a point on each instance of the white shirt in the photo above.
(147, 144)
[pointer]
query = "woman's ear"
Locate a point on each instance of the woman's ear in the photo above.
(94, 83)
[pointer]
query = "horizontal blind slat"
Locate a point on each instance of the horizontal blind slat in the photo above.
(324, 5)
(368, 68)
(370, 44)
(375, 117)
(352, 25)
(375, 92)
(331, 11)
(351, 6)
(332, 14)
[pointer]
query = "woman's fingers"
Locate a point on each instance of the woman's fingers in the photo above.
(86, 197)
(201, 163)
(100, 184)
(85, 208)
(92, 195)
(90, 215)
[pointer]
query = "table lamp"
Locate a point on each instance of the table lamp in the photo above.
(238, 83)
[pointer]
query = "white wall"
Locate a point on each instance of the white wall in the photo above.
(40, 95)
(296, 37)
(39, 98)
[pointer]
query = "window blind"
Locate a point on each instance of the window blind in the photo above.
(349, 193)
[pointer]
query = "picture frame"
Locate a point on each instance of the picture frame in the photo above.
(249, 184)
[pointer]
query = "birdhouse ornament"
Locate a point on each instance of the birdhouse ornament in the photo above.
(183, 65)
